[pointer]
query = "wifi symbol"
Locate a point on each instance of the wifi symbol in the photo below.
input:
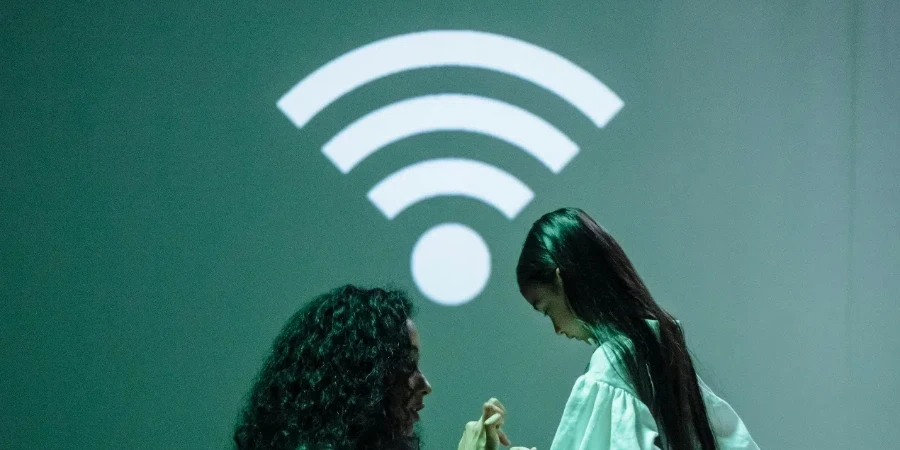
(451, 263)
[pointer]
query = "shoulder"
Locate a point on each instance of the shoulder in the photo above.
(602, 389)
(602, 369)
(603, 409)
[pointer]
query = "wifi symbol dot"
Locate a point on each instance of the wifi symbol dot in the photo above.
(450, 262)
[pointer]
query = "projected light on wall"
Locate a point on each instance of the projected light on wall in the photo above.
(451, 263)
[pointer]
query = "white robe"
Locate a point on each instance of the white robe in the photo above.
(604, 413)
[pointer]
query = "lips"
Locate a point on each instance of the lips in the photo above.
(414, 411)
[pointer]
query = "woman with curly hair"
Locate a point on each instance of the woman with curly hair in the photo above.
(343, 374)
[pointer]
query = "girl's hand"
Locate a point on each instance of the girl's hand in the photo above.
(486, 433)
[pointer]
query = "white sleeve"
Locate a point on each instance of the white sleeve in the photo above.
(726, 425)
(599, 416)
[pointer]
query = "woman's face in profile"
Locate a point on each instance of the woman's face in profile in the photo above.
(551, 301)
(409, 400)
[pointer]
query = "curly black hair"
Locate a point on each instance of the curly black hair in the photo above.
(334, 375)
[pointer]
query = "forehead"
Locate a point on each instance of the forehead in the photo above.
(534, 293)
(413, 333)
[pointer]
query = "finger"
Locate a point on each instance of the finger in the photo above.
(491, 429)
(503, 438)
(494, 421)
(497, 403)
(487, 410)
(495, 410)
(494, 403)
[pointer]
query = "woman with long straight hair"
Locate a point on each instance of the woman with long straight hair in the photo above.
(640, 390)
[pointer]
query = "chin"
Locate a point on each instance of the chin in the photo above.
(585, 339)
(414, 435)
(411, 427)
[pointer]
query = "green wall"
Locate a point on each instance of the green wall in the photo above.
(161, 218)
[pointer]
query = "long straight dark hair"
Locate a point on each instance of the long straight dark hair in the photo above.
(607, 295)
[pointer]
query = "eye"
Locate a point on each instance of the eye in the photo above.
(412, 364)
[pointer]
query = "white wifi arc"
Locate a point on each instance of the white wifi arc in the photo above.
(451, 263)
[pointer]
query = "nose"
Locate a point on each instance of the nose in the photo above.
(426, 386)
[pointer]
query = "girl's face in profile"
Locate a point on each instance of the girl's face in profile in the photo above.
(551, 301)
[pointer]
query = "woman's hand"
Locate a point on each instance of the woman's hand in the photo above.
(487, 433)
